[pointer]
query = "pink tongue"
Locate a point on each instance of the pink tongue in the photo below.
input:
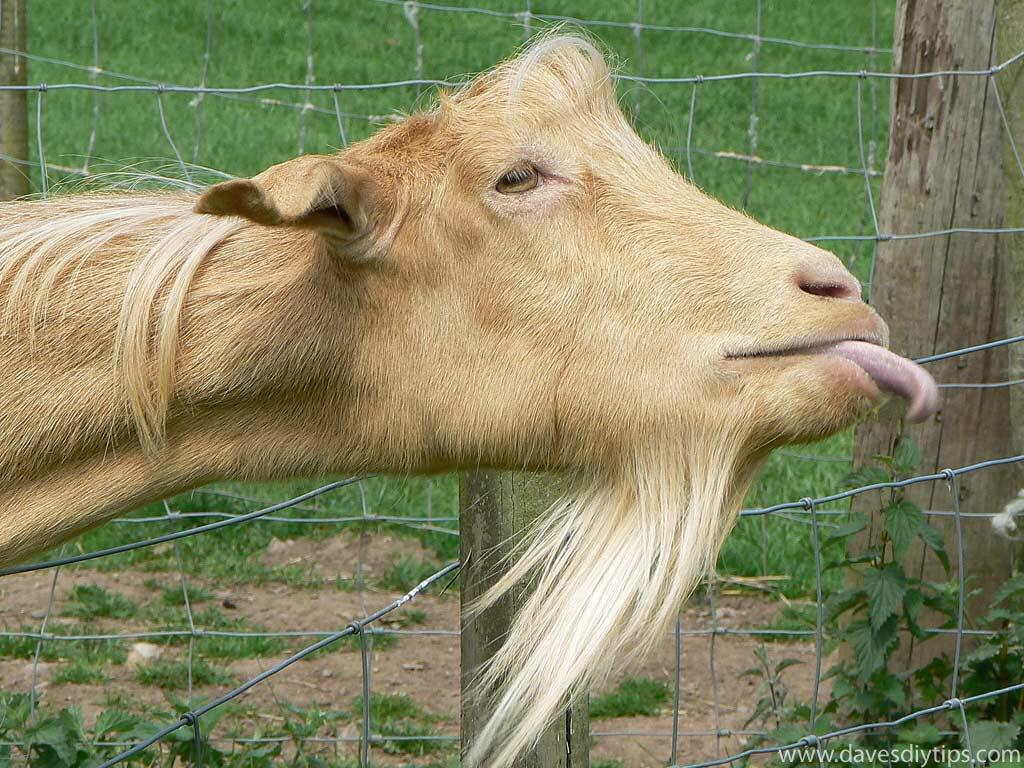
(893, 373)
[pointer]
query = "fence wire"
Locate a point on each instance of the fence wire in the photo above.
(300, 98)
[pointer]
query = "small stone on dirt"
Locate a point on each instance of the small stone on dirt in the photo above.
(143, 652)
(414, 667)
(38, 614)
(228, 603)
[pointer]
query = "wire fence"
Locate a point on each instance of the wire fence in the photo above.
(724, 740)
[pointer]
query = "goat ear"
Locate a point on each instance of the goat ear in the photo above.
(313, 192)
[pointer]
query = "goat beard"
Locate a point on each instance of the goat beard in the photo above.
(610, 565)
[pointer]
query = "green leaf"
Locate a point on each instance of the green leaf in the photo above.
(891, 688)
(933, 539)
(839, 603)
(913, 600)
(982, 653)
(786, 664)
(885, 588)
(922, 733)
(1010, 588)
(903, 521)
(113, 721)
(997, 615)
(866, 476)
(856, 523)
(943, 597)
(906, 457)
(871, 647)
(56, 739)
(991, 735)
(867, 556)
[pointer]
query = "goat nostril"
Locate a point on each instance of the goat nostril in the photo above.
(830, 289)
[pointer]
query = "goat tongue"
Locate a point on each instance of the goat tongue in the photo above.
(893, 373)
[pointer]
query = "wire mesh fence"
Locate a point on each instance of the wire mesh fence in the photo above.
(678, 101)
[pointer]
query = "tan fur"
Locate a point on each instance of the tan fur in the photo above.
(387, 309)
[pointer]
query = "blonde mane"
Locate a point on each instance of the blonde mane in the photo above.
(162, 243)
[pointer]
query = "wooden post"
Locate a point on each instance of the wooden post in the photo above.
(14, 178)
(938, 293)
(1009, 41)
(496, 508)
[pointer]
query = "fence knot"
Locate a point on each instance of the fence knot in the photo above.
(43, 87)
(883, 238)
(807, 503)
(809, 740)
(949, 474)
(698, 79)
(863, 74)
(190, 719)
(953, 703)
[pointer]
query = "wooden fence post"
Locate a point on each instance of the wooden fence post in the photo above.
(14, 177)
(943, 292)
(496, 508)
(1009, 41)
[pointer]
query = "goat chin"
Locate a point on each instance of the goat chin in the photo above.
(611, 564)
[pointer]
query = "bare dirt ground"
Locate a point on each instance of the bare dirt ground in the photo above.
(423, 666)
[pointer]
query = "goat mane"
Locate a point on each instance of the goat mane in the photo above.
(47, 243)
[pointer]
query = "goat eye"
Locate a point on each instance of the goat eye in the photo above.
(522, 178)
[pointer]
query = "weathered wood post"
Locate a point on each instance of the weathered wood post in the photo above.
(944, 170)
(1009, 41)
(14, 178)
(496, 509)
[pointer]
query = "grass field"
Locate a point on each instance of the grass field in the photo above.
(811, 121)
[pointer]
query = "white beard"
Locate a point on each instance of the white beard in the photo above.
(612, 564)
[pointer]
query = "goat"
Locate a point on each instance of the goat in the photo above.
(513, 279)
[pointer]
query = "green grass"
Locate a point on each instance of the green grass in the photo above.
(634, 696)
(164, 615)
(396, 714)
(173, 674)
(404, 573)
(174, 595)
(408, 617)
(91, 601)
(94, 651)
(799, 121)
(79, 671)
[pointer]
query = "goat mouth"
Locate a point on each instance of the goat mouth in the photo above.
(790, 350)
(889, 372)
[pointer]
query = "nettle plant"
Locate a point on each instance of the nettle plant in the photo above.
(884, 609)
(880, 610)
